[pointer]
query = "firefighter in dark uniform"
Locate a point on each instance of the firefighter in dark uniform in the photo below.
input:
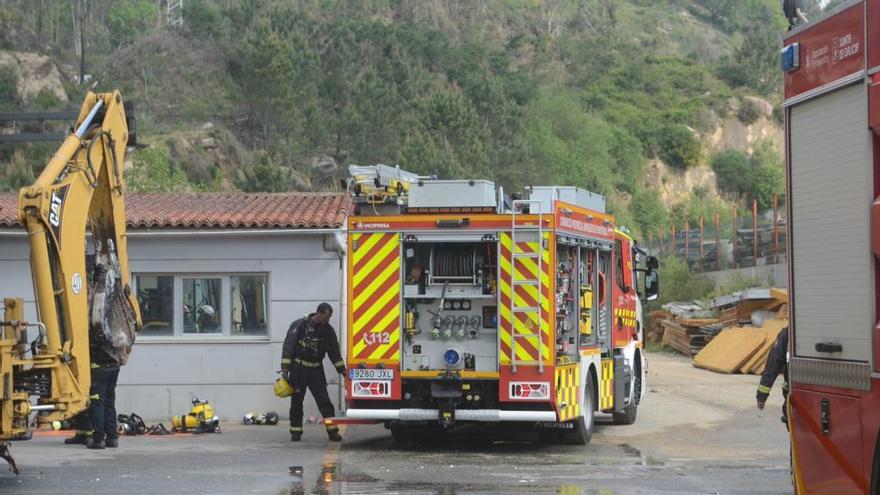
(102, 406)
(308, 340)
(777, 364)
(96, 426)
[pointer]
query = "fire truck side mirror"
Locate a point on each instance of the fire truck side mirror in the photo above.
(652, 263)
(652, 285)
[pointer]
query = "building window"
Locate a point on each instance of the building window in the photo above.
(201, 305)
(188, 305)
(249, 303)
(155, 294)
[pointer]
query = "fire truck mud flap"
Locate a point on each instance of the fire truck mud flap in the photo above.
(478, 415)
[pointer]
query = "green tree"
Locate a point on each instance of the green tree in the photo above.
(204, 18)
(767, 177)
(748, 113)
(129, 19)
(152, 171)
(449, 139)
(678, 283)
(679, 147)
(732, 171)
(649, 212)
(8, 89)
(17, 173)
(264, 175)
(277, 80)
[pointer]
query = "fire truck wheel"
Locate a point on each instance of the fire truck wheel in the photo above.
(582, 432)
(628, 415)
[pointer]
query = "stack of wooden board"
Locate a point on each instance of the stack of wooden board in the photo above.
(654, 331)
(740, 349)
(685, 336)
(728, 317)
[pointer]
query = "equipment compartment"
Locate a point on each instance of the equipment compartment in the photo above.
(450, 304)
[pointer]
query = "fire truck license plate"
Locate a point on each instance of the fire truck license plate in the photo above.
(371, 374)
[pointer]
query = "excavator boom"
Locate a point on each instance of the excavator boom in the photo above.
(82, 283)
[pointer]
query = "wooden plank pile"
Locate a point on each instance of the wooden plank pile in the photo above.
(735, 337)
(654, 331)
(684, 336)
(744, 348)
(740, 349)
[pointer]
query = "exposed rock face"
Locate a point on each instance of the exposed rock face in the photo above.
(764, 106)
(733, 134)
(676, 186)
(34, 73)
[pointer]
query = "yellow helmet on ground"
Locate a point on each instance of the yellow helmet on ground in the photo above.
(282, 388)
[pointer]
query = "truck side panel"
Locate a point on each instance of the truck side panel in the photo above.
(831, 193)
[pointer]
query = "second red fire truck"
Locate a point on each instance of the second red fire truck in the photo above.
(832, 121)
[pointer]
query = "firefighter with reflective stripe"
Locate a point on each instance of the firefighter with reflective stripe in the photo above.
(308, 340)
(777, 363)
(96, 426)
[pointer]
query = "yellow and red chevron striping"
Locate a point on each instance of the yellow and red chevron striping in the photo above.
(375, 298)
(528, 328)
(567, 392)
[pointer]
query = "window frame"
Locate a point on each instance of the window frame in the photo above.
(225, 334)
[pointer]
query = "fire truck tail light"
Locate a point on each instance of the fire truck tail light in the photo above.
(530, 390)
(371, 389)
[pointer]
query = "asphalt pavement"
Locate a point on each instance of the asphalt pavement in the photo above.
(697, 433)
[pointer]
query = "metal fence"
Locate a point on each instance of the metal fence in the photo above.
(742, 239)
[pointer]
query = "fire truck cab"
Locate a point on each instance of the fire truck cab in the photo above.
(832, 121)
(468, 306)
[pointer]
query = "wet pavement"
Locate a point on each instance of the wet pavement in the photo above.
(697, 432)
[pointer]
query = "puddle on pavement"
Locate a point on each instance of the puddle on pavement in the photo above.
(643, 460)
(332, 481)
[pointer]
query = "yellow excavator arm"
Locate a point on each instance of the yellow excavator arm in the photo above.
(82, 289)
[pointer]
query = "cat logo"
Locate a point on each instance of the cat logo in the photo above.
(55, 210)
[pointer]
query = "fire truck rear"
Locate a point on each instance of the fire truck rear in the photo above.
(832, 110)
(468, 306)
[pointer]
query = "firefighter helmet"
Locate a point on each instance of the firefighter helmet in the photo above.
(272, 418)
(282, 388)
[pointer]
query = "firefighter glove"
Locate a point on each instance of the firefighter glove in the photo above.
(761, 404)
(340, 368)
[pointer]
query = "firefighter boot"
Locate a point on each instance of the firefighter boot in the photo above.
(95, 444)
(77, 439)
(111, 443)
(295, 434)
(333, 435)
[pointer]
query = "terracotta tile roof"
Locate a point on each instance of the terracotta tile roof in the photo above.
(219, 210)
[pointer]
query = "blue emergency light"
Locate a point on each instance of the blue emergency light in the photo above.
(791, 57)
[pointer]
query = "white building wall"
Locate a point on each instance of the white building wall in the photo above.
(234, 373)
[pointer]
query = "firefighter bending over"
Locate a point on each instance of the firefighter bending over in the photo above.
(777, 363)
(308, 340)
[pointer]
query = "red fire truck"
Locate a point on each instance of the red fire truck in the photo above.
(466, 306)
(832, 115)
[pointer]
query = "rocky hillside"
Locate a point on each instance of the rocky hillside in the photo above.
(641, 100)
